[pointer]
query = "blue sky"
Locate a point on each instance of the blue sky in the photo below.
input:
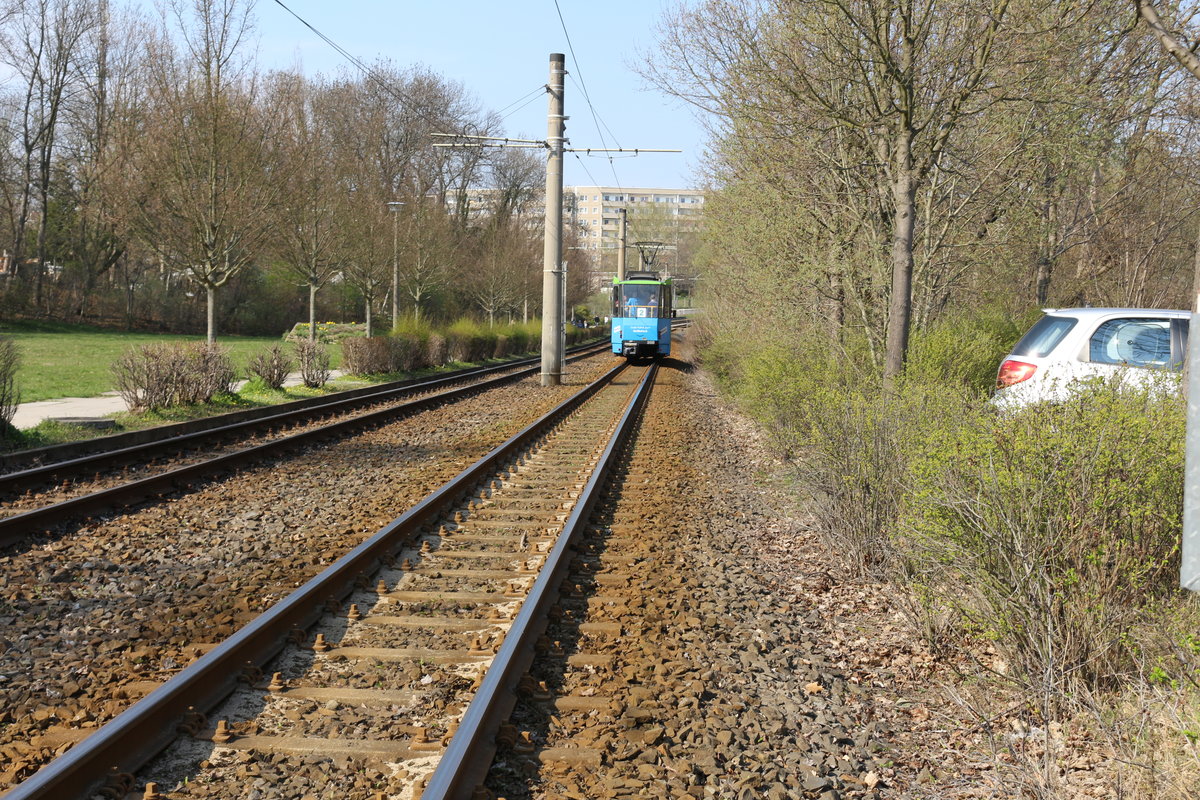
(500, 52)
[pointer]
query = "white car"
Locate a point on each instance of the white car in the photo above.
(1136, 345)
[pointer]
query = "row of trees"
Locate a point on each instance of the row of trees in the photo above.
(884, 164)
(149, 161)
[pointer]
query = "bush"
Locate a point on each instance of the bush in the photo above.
(407, 353)
(326, 331)
(844, 436)
(411, 343)
(437, 351)
(523, 337)
(468, 341)
(1052, 530)
(272, 366)
(370, 356)
(209, 372)
(10, 395)
(964, 351)
(313, 358)
(163, 375)
(518, 339)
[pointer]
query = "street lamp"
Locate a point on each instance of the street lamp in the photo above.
(394, 206)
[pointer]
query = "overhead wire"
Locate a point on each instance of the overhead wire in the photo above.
(386, 85)
(541, 90)
(595, 118)
(524, 100)
(587, 96)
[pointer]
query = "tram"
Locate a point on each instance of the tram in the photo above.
(641, 318)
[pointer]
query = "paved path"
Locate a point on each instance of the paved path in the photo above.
(30, 414)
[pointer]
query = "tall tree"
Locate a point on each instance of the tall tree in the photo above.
(312, 210)
(40, 44)
(899, 77)
(207, 148)
(366, 255)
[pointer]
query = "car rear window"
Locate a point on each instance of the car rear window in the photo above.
(1136, 342)
(1044, 336)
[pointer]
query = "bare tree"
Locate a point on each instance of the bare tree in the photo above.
(88, 223)
(899, 76)
(1184, 52)
(40, 44)
(313, 208)
(206, 149)
(366, 254)
(432, 245)
(493, 278)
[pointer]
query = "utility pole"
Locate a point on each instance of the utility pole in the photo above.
(621, 244)
(554, 285)
(552, 266)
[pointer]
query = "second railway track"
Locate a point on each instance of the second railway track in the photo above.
(73, 484)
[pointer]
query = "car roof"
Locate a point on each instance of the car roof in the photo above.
(1092, 313)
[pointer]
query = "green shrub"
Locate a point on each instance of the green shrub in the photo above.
(1052, 529)
(521, 338)
(326, 331)
(965, 351)
(412, 327)
(467, 340)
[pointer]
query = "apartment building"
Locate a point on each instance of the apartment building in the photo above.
(660, 214)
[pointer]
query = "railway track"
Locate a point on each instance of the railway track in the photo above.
(464, 580)
(135, 467)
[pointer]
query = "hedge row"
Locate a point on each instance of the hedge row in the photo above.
(415, 347)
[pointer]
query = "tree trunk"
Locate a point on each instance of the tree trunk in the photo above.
(900, 308)
(211, 291)
(312, 312)
(367, 304)
(1046, 261)
(837, 317)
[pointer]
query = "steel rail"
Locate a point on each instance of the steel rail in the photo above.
(69, 460)
(468, 757)
(19, 526)
(139, 733)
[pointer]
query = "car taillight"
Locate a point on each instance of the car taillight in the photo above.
(1013, 371)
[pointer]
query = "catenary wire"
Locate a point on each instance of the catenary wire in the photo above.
(387, 86)
(524, 100)
(587, 96)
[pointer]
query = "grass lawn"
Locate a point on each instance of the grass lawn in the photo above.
(59, 360)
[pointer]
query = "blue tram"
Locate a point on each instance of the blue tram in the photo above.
(641, 318)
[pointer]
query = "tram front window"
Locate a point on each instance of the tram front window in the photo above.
(639, 301)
